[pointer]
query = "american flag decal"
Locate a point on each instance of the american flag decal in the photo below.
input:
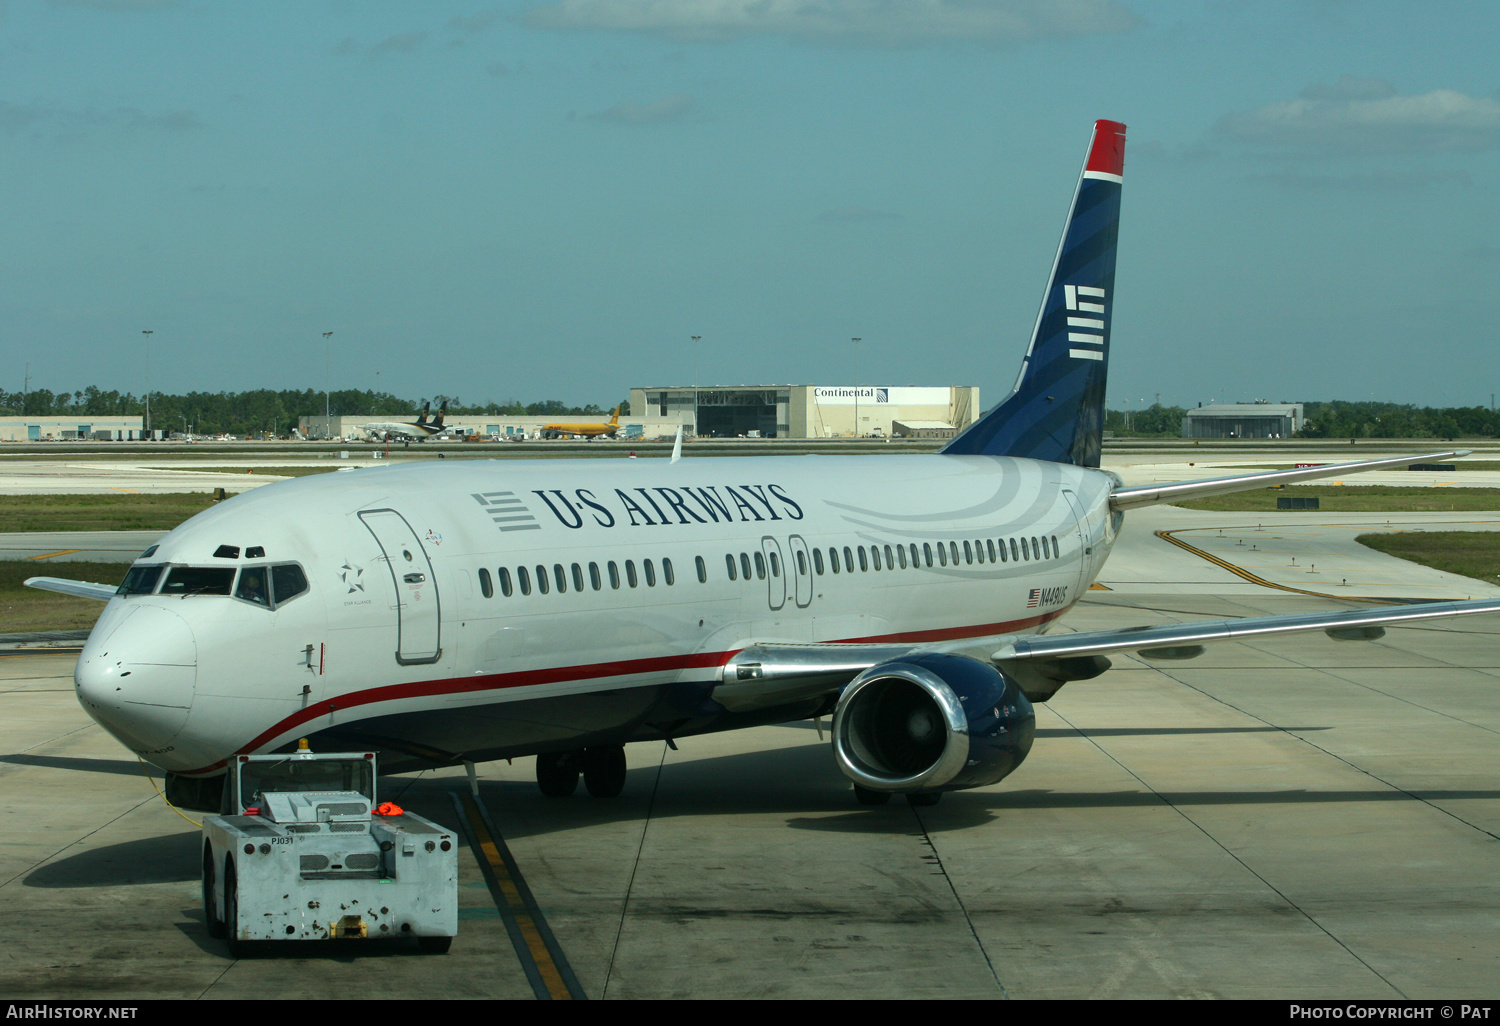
(1034, 598)
(507, 511)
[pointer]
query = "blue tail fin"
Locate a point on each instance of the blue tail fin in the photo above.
(1056, 411)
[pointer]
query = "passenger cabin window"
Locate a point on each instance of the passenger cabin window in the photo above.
(864, 564)
(760, 566)
(505, 588)
(942, 555)
(667, 577)
(968, 552)
(524, 579)
(927, 551)
(647, 566)
(614, 575)
(486, 586)
(818, 561)
(577, 577)
(729, 564)
(801, 564)
(745, 565)
(630, 577)
(702, 569)
(594, 579)
(561, 577)
(541, 579)
(833, 559)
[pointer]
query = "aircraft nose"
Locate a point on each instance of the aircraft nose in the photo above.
(136, 678)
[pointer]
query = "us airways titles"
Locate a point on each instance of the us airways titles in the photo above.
(662, 506)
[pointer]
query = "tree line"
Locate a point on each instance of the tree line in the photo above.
(260, 411)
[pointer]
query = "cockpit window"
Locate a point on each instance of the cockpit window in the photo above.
(140, 580)
(252, 586)
(198, 580)
(149, 552)
(288, 580)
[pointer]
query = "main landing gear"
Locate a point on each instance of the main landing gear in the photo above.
(865, 796)
(602, 768)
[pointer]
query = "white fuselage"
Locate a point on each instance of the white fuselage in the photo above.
(413, 634)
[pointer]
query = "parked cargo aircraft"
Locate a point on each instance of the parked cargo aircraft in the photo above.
(584, 429)
(421, 429)
(458, 612)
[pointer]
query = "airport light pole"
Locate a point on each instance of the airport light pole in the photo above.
(147, 333)
(327, 376)
(696, 340)
(856, 342)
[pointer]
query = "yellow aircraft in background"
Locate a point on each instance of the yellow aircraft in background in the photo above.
(588, 429)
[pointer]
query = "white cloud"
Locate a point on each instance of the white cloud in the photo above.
(1356, 115)
(867, 22)
(668, 108)
(44, 116)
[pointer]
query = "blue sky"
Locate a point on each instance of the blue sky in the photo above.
(549, 199)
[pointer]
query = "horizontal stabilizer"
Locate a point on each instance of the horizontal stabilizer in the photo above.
(82, 589)
(1152, 495)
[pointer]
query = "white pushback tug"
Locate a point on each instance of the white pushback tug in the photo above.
(302, 851)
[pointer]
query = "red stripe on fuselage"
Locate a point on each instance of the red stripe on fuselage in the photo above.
(590, 671)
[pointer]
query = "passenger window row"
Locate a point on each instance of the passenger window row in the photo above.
(580, 578)
(758, 565)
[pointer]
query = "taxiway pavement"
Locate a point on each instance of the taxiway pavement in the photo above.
(1281, 818)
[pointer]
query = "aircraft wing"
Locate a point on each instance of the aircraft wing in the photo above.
(1151, 495)
(774, 674)
(82, 589)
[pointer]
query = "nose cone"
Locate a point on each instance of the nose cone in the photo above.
(137, 673)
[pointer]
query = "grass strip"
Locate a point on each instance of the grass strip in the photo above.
(116, 511)
(27, 609)
(1473, 554)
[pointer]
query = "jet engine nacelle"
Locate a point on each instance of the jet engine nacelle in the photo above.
(931, 723)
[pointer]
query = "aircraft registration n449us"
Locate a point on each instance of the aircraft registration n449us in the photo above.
(463, 611)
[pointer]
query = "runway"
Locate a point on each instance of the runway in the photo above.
(1282, 818)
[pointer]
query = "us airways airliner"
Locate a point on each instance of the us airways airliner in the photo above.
(450, 613)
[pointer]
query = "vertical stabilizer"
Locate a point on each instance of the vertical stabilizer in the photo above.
(437, 422)
(422, 417)
(1056, 410)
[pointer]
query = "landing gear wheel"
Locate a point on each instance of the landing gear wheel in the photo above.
(604, 770)
(557, 773)
(923, 799)
(216, 928)
(865, 796)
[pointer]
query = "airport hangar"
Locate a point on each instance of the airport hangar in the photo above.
(812, 411)
(1244, 420)
(79, 426)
